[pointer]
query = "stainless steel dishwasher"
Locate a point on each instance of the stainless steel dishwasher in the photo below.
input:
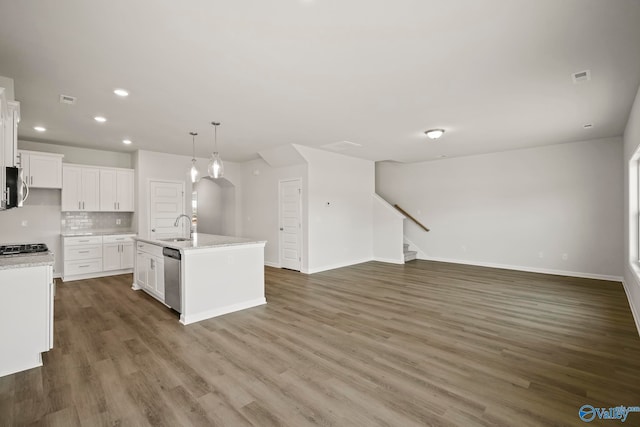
(172, 279)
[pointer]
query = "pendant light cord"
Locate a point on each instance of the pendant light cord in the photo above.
(193, 135)
(215, 136)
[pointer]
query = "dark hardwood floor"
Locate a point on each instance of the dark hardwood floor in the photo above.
(424, 344)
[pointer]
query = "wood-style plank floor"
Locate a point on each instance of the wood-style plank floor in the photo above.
(421, 344)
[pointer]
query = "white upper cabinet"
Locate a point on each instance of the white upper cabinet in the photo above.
(41, 170)
(12, 119)
(116, 190)
(80, 188)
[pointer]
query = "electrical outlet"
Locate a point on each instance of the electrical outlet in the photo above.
(118, 221)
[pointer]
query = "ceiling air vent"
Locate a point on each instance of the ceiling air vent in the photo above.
(67, 99)
(581, 76)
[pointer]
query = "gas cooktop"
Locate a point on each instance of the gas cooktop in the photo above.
(28, 249)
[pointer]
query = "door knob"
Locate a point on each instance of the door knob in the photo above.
(281, 229)
(153, 230)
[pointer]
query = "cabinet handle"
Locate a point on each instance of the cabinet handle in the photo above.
(118, 205)
(82, 205)
(84, 266)
(79, 205)
(31, 180)
(83, 241)
(83, 252)
(115, 207)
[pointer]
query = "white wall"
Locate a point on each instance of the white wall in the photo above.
(216, 207)
(84, 156)
(151, 165)
(387, 232)
(260, 205)
(631, 256)
(506, 209)
(340, 207)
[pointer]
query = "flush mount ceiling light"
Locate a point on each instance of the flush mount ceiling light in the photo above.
(39, 128)
(100, 119)
(121, 92)
(434, 133)
(194, 169)
(126, 141)
(216, 168)
(587, 126)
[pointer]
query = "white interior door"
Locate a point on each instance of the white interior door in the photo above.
(291, 224)
(166, 203)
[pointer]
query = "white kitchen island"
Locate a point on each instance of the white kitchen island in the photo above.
(219, 274)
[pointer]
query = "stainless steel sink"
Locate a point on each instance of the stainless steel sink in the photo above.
(176, 239)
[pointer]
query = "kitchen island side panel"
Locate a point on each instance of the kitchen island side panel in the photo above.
(221, 280)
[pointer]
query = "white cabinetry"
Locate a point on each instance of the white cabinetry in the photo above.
(149, 269)
(82, 257)
(117, 252)
(41, 170)
(12, 120)
(116, 190)
(26, 317)
(80, 188)
(97, 256)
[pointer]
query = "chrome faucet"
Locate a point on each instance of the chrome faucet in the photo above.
(191, 226)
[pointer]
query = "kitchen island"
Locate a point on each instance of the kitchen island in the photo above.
(218, 274)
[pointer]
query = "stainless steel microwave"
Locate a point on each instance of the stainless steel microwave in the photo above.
(16, 191)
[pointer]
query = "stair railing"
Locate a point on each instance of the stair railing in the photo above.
(403, 212)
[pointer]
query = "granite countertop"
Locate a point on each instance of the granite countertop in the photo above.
(202, 241)
(22, 261)
(95, 233)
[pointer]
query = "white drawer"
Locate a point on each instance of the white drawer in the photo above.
(73, 253)
(118, 238)
(149, 248)
(84, 240)
(71, 268)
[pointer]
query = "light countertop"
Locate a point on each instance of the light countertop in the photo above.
(29, 260)
(202, 241)
(94, 233)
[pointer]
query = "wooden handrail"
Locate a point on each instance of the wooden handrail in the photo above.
(403, 212)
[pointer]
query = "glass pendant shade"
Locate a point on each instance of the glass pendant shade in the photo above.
(216, 168)
(194, 171)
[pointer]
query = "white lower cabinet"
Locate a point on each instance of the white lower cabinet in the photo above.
(97, 256)
(149, 269)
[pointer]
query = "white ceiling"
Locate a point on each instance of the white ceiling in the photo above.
(496, 74)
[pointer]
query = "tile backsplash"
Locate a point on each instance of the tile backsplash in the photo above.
(96, 221)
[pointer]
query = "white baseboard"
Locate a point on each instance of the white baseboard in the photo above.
(96, 275)
(272, 264)
(635, 311)
(338, 265)
(197, 317)
(528, 269)
(389, 260)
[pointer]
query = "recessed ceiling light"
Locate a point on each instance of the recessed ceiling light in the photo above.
(588, 126)
(126, 141)
(434, 133)
(121, 92)
(40, 128)
(99, 119)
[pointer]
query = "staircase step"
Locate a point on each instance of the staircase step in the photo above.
(410, 255)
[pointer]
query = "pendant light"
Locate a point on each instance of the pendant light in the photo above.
(194, 169)
(216, 168)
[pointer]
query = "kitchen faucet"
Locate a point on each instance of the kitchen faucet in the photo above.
(191, 227)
